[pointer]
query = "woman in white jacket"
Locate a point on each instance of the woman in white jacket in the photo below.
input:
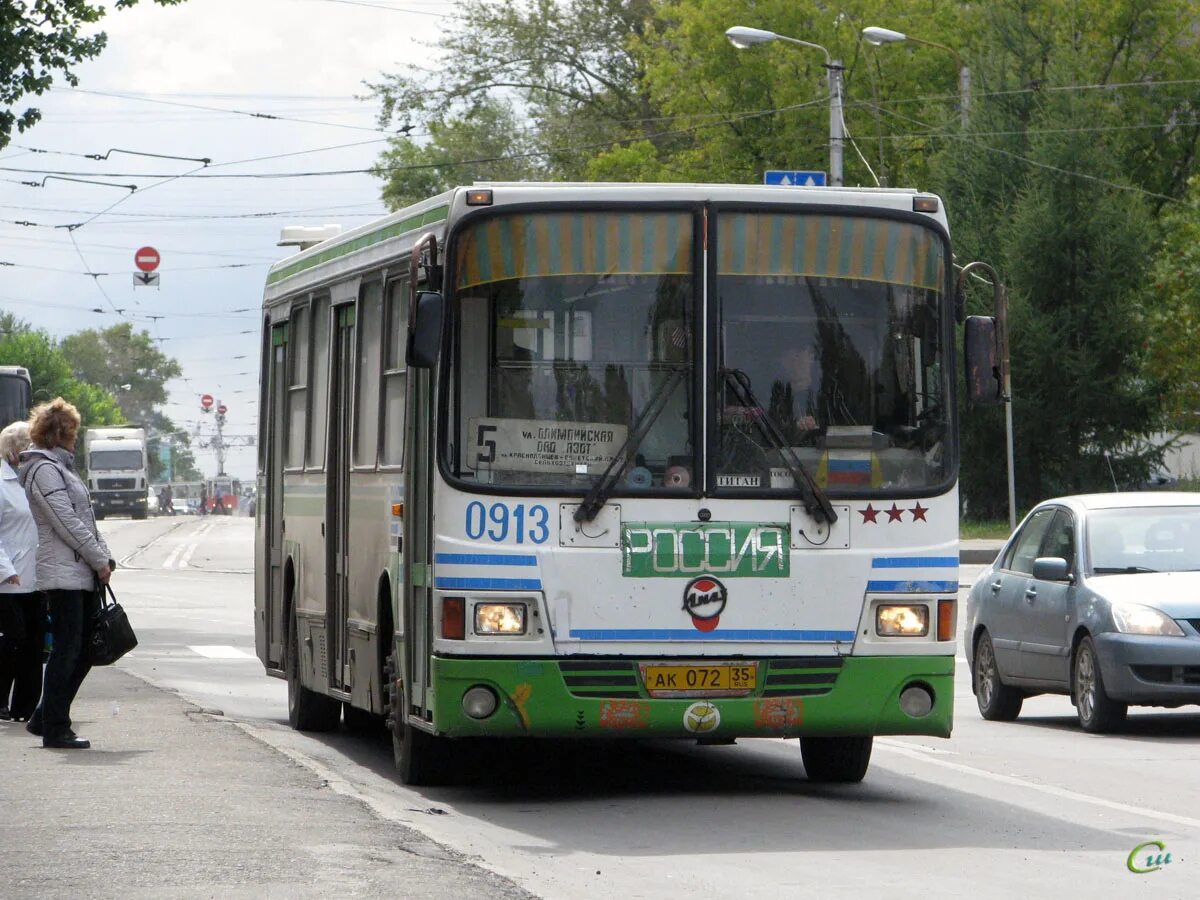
(71, 558)
(22, 608)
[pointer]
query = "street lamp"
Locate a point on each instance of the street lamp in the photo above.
(742, 38)
(880, 36)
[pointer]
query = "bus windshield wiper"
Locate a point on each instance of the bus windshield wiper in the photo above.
(595, 499)
(816, 504)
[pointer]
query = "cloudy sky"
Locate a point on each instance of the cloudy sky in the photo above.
(187, 81)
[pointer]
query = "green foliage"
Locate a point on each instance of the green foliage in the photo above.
(40, 39)
(126, 364)
(51, 375)
(1173, 321)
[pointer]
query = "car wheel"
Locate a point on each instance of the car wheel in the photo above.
(1098, 712)
(836, 760)
(997, 701)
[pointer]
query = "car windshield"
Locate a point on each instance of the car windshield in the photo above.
(1144, 539)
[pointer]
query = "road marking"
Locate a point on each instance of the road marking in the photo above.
(221, 652)
(187, 557)
(172, 556)
(922, 754)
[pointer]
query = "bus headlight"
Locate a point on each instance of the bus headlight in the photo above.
(500, 618)
(902, 621)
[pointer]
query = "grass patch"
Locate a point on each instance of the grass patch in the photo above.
(976, 530)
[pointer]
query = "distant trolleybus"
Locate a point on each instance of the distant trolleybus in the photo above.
(617, 461)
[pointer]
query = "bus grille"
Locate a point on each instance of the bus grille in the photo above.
(601, 678)
(115, 484)
(809, 676)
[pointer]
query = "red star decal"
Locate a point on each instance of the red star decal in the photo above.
(895, 514)
(869, 514)
(918, 513)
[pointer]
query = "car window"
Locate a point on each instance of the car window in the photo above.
(1060, 538)
(1025, 548)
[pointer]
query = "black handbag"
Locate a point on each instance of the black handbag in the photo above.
(112, 635)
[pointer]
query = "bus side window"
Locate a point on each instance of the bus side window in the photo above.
(370, 364)
(320, 376)
(297, 367)
(394, 374)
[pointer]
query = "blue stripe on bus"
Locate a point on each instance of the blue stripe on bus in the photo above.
(485, 559)
(687, 634)
(488, 584)
(905, 587)
(915, 562)
(849, 465)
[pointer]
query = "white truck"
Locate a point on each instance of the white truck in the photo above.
(118, 473)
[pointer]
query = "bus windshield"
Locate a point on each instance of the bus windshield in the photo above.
(575, 333)
(831, 344)
(112, 460)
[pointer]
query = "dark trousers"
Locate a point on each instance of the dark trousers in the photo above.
(23, 623)
(71, 615)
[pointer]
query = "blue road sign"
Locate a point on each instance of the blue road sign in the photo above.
(789, 178)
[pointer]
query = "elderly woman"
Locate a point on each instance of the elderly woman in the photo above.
(71, 558)
(22, 608)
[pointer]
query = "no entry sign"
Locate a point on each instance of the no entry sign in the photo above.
(146, 259)
(206, 401)
(222, 409)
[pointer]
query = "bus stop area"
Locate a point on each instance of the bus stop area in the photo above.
(173, 800)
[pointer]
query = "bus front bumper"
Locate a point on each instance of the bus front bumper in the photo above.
(852, 695)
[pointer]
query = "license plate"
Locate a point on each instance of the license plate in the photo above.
(699, 680)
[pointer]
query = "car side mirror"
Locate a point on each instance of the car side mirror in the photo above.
(1051, 568)
(983, 366)
(425, 335)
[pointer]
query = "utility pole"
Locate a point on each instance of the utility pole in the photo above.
(219, 441)
(837, 133)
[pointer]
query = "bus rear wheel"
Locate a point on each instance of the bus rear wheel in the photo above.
(307, 710)
(836, 760)
(421, 758)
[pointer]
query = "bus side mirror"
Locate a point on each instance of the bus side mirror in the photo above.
(983, 366)
(425, 333)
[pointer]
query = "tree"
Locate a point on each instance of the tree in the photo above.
(565, 66)
(50, 373)
(1173, 321)
(39, 39)
(125, 363)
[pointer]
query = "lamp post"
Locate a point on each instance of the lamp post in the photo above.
(742, 38)
(881, 36)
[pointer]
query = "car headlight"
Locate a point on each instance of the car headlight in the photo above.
(902, 621)
(500, 618)
(1133, 618)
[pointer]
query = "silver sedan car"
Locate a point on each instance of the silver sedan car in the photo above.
(1094, 596)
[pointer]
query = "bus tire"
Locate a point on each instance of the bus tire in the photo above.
(422, 760)
(996, 700)
(836, 760)
(307, 710)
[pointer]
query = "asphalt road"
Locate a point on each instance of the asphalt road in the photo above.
(1034, 807)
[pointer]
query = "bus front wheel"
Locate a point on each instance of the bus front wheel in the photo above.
(836, 760)
(422, 759)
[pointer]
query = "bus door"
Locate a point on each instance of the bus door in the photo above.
(337, 480)
(277, 392)
(419, 619)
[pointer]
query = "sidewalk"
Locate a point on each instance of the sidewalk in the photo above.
(171, 802)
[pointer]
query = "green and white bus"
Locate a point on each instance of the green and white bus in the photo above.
(628, 461)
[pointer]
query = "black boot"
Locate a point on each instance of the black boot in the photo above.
(5, 715)
(66, 740)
